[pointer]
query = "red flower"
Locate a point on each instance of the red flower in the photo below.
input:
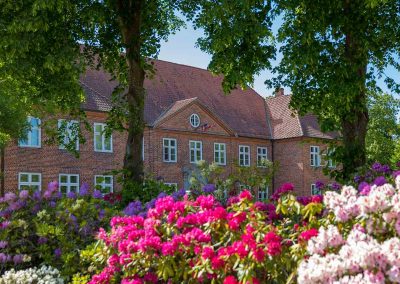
(230, 280)
(316, 198)
(217, 263)
(272, 237)
(274, 248)
(306, 235)
(245, 195)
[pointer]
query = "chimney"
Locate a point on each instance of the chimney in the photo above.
(279, 92)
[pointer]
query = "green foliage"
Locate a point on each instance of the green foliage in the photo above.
(383, 129)
(50, 230)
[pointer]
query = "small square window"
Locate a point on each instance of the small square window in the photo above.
(30, 181)
(104, 183)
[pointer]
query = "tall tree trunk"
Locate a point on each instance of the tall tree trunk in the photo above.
(129, 14)
(354, 125)
(2, 170)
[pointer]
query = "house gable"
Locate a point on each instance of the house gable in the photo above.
(177, 117)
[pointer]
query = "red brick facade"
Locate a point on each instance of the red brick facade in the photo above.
(253, 122)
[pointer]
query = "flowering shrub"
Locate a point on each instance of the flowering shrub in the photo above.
(47, 227)
(360, 243)
(194, 241)
(42, 275)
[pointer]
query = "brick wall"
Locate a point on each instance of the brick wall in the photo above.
(293, 156)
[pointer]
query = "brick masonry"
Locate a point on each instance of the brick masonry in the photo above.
(292, 155)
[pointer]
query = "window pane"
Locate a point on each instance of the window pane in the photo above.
(73, 188)
(34, 122)
(107, 180)
(98, 142)
(35, 187)
(35, 178)
(24, 187)
(107, 143)
(63, 178)
(34, 137)
(98, 128)
(23, 178)
(73, 179)
(172, 143)
(63, 189)
(99, 179)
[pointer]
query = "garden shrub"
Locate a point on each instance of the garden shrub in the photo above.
(42, 275)
(359, 240)
(47, 227)
(200, 241)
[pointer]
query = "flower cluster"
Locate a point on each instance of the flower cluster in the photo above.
(192, 241)
(48, 227)
(42, 275)
(361, 244)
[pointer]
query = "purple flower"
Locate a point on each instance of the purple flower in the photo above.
(398, 165)
(5, 224)
(209, 188)
(151, 204)
(335, 186)
(380, 181)
(84, 190)
(36, 209)
(97, 194)
(161, 195)
(37, 195)
(178, 194)
(395, 174)
(3, 258)
(17, 205)
(3, 244)
(42, 240)
(24, 194)
(386, 169)
(133, 208)
(143, 214)
(47, 194)
(71, 195)
(376, 167)
(52, 204)
(102, 213)
(319, 184)
(52, 186)
(18, 258)
(9, 197)
(57, 252)
(357, 179)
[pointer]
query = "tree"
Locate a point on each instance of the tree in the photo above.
(333, 54)
(383, 128)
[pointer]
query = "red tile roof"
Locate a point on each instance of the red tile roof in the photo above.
(286, 123)
(242, 110)
(173, 86)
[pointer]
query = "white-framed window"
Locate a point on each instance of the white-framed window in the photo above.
(315, 157)
(194, 120)
(33, 136)
(105, 183)
(244, 155)
(263, 193)
(102, 142)
(174, 185)
(196, 151)
(30, 181)
(220, 153)
(314, 189)
(330, 162)
(262, 156)
(68, 183)
(170, 147)
(69, 132)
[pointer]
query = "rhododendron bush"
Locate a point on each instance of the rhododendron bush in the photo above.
(195, 241)
(360, 240)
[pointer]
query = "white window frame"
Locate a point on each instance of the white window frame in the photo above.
(68, 134)
(103, 138)
(315, 156)
(263, 195)
(103, 184)
(195, 149)
(222, 153)
(248, 154)
(28, 136)
(68, 184)
(194, 117)
(170, 148)
(314, 189)
(262, 156)
(29, 183)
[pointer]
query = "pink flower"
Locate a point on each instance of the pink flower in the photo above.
(230, 280)
(274, 248)
(306, 235)
(217, 263)
(316, 198)
(259, 255)
(245, 195)
(208, 253)
(272, 237)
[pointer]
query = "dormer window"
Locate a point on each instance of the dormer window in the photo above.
(195, 120)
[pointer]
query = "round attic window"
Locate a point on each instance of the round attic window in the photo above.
(194, 120)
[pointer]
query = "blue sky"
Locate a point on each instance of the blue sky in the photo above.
(180, 48)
